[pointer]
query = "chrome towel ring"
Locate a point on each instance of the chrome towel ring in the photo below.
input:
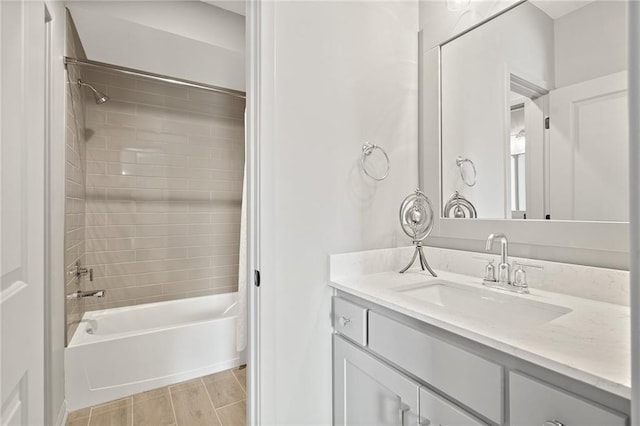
(460, 161)
(367, 150)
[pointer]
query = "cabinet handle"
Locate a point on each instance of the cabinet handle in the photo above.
(552, 423)
(344, 321)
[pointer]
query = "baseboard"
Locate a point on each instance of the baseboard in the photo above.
(61, 419)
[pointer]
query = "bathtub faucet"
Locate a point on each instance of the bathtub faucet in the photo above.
(82, 294)
(79, 271)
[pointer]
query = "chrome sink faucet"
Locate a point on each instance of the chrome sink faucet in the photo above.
(504, 270)
(504, 282)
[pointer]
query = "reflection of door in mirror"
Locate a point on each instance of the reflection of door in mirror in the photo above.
(589, 147)
(537, 98)
(526, 151)
(518, 166)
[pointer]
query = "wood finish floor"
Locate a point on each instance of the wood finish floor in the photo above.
(215, 400)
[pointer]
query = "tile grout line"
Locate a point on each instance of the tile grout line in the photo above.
(233, 403)
(131, 410)
(215, 410)
(238, 380)
(173, 408)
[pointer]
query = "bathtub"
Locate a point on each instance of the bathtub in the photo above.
(123, 351)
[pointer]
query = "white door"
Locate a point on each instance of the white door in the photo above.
(22, 215)
(368, 392)
(589, 147)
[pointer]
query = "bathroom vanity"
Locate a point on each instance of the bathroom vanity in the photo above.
(412, 349)
(515, 106)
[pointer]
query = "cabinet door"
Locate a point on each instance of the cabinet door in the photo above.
(534, 403)
(435, 410)
(368, 392)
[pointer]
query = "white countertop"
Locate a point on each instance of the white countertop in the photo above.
(591, 343)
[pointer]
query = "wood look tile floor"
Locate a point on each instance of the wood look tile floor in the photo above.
(215, 400)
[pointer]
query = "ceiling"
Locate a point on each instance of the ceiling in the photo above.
(558, 8)
(235, 6)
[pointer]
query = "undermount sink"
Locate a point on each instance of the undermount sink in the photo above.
(488, 306)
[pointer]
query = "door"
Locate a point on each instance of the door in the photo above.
(368, 392)
(22, 214)
(588, 143)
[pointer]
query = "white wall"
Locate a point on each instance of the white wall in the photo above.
(188, 18)
(346, 73)
(590, 42)
(475, 88)
(189, 40)
(440, 24)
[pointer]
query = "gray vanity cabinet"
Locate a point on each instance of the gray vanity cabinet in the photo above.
(535, 403)
(435, 410)
(474, 381)
(387, 372)
(368, 392)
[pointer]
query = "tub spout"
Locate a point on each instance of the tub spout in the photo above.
(82, 294)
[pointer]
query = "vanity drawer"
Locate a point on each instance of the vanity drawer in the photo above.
(350, 320)
(467, 378)
(533, 403)
(435, 410)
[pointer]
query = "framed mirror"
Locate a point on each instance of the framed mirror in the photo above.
(536, 99)
(530, 108)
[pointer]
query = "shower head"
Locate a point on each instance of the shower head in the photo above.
(100, 97)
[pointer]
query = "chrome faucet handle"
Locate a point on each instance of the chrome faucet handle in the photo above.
(79, 271)
(490, 272)
(520, 278)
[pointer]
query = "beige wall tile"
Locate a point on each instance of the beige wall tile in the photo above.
(162, 253)
(108, 257)
(164, 178)
(134, 96)
(75, 185)
(186, 286)
(162, 88)
(224, 283)
(161, 230)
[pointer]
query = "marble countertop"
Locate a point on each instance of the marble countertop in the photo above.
(591, 343)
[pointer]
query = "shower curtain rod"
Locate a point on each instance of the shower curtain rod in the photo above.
(153, 76)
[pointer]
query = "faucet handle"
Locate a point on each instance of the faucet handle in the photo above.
(520, 277)
(490, 272)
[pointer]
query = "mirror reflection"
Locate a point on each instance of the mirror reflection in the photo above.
(534, 120)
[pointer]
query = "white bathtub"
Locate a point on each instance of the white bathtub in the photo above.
(123, 351)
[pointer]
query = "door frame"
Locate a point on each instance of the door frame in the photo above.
(633, 54)
(261, 210)
(253, 146)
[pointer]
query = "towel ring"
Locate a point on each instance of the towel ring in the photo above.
(459, 162)
(367, 150)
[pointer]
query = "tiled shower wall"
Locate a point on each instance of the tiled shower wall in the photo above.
(164, 189)
(75, 188)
